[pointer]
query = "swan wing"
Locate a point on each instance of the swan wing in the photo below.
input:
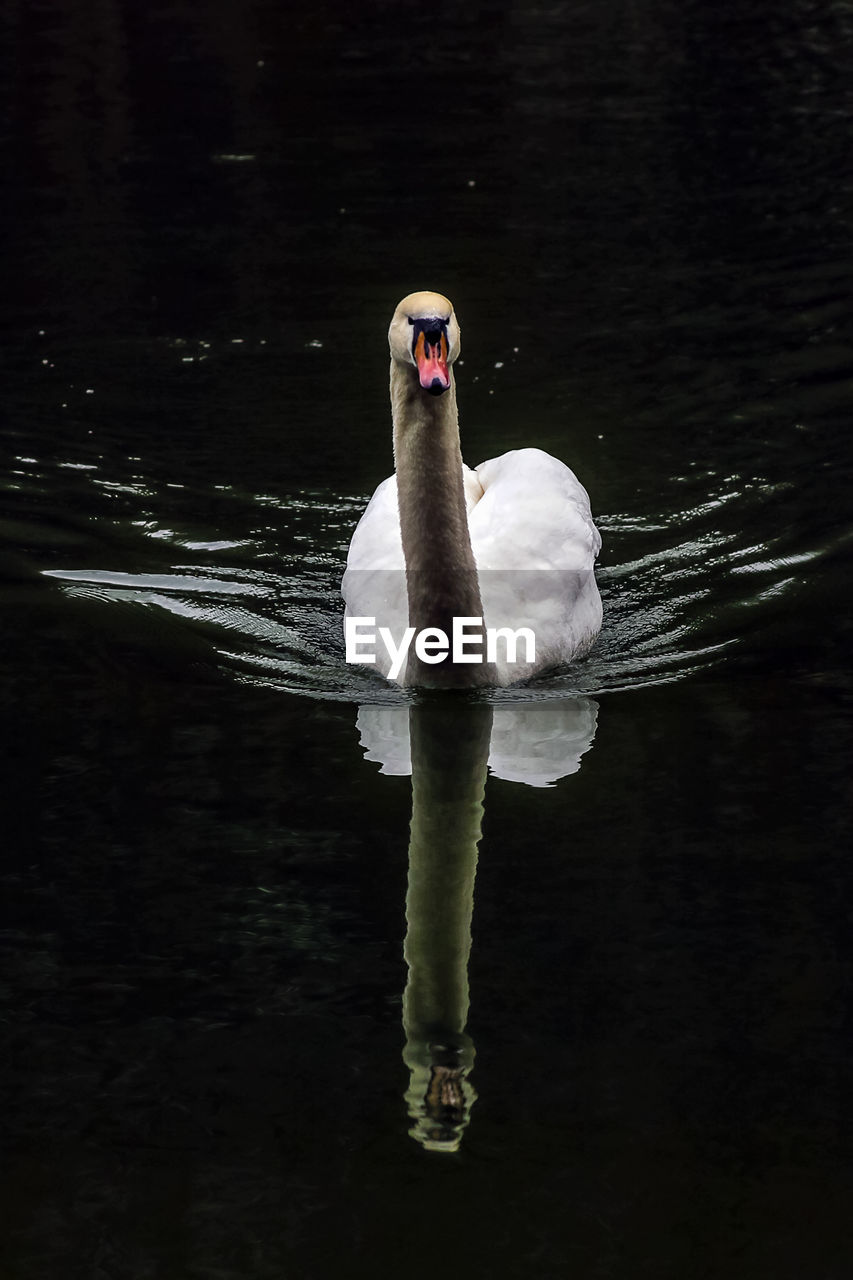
(376, 543)
(534, 514)
(535, 545)
(374, 584)
(473, 488)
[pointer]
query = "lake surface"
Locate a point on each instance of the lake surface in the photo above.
(304, 976)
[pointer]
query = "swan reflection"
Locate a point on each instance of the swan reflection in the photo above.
(536, 743)
(447, 812)
(448, 744)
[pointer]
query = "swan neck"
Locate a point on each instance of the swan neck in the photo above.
(441, 573)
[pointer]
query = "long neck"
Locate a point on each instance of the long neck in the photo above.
(441, 573)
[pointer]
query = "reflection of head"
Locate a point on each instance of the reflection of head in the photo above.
(440, 1095)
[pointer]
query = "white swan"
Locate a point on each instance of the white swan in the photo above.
(511, 543)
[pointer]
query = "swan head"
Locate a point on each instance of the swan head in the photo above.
(425, 333)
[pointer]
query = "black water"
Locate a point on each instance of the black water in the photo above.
(643, 214)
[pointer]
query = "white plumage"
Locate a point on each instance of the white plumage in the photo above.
(529, 523)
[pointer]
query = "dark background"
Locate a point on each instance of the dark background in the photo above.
(642, 213)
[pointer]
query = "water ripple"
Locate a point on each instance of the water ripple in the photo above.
(672, 605)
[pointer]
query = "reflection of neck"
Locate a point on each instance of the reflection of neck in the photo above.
(450, 746)
(441, 574)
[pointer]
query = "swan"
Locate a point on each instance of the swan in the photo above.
(508, 547)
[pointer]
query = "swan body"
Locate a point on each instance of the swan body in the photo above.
(511, 542)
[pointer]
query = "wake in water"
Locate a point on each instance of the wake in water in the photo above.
(675, 592)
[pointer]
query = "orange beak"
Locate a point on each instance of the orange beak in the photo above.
(431, 360)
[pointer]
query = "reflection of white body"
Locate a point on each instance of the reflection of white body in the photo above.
(512, 542)
(531, 742)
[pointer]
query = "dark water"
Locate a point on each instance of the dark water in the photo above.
(218, 880)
